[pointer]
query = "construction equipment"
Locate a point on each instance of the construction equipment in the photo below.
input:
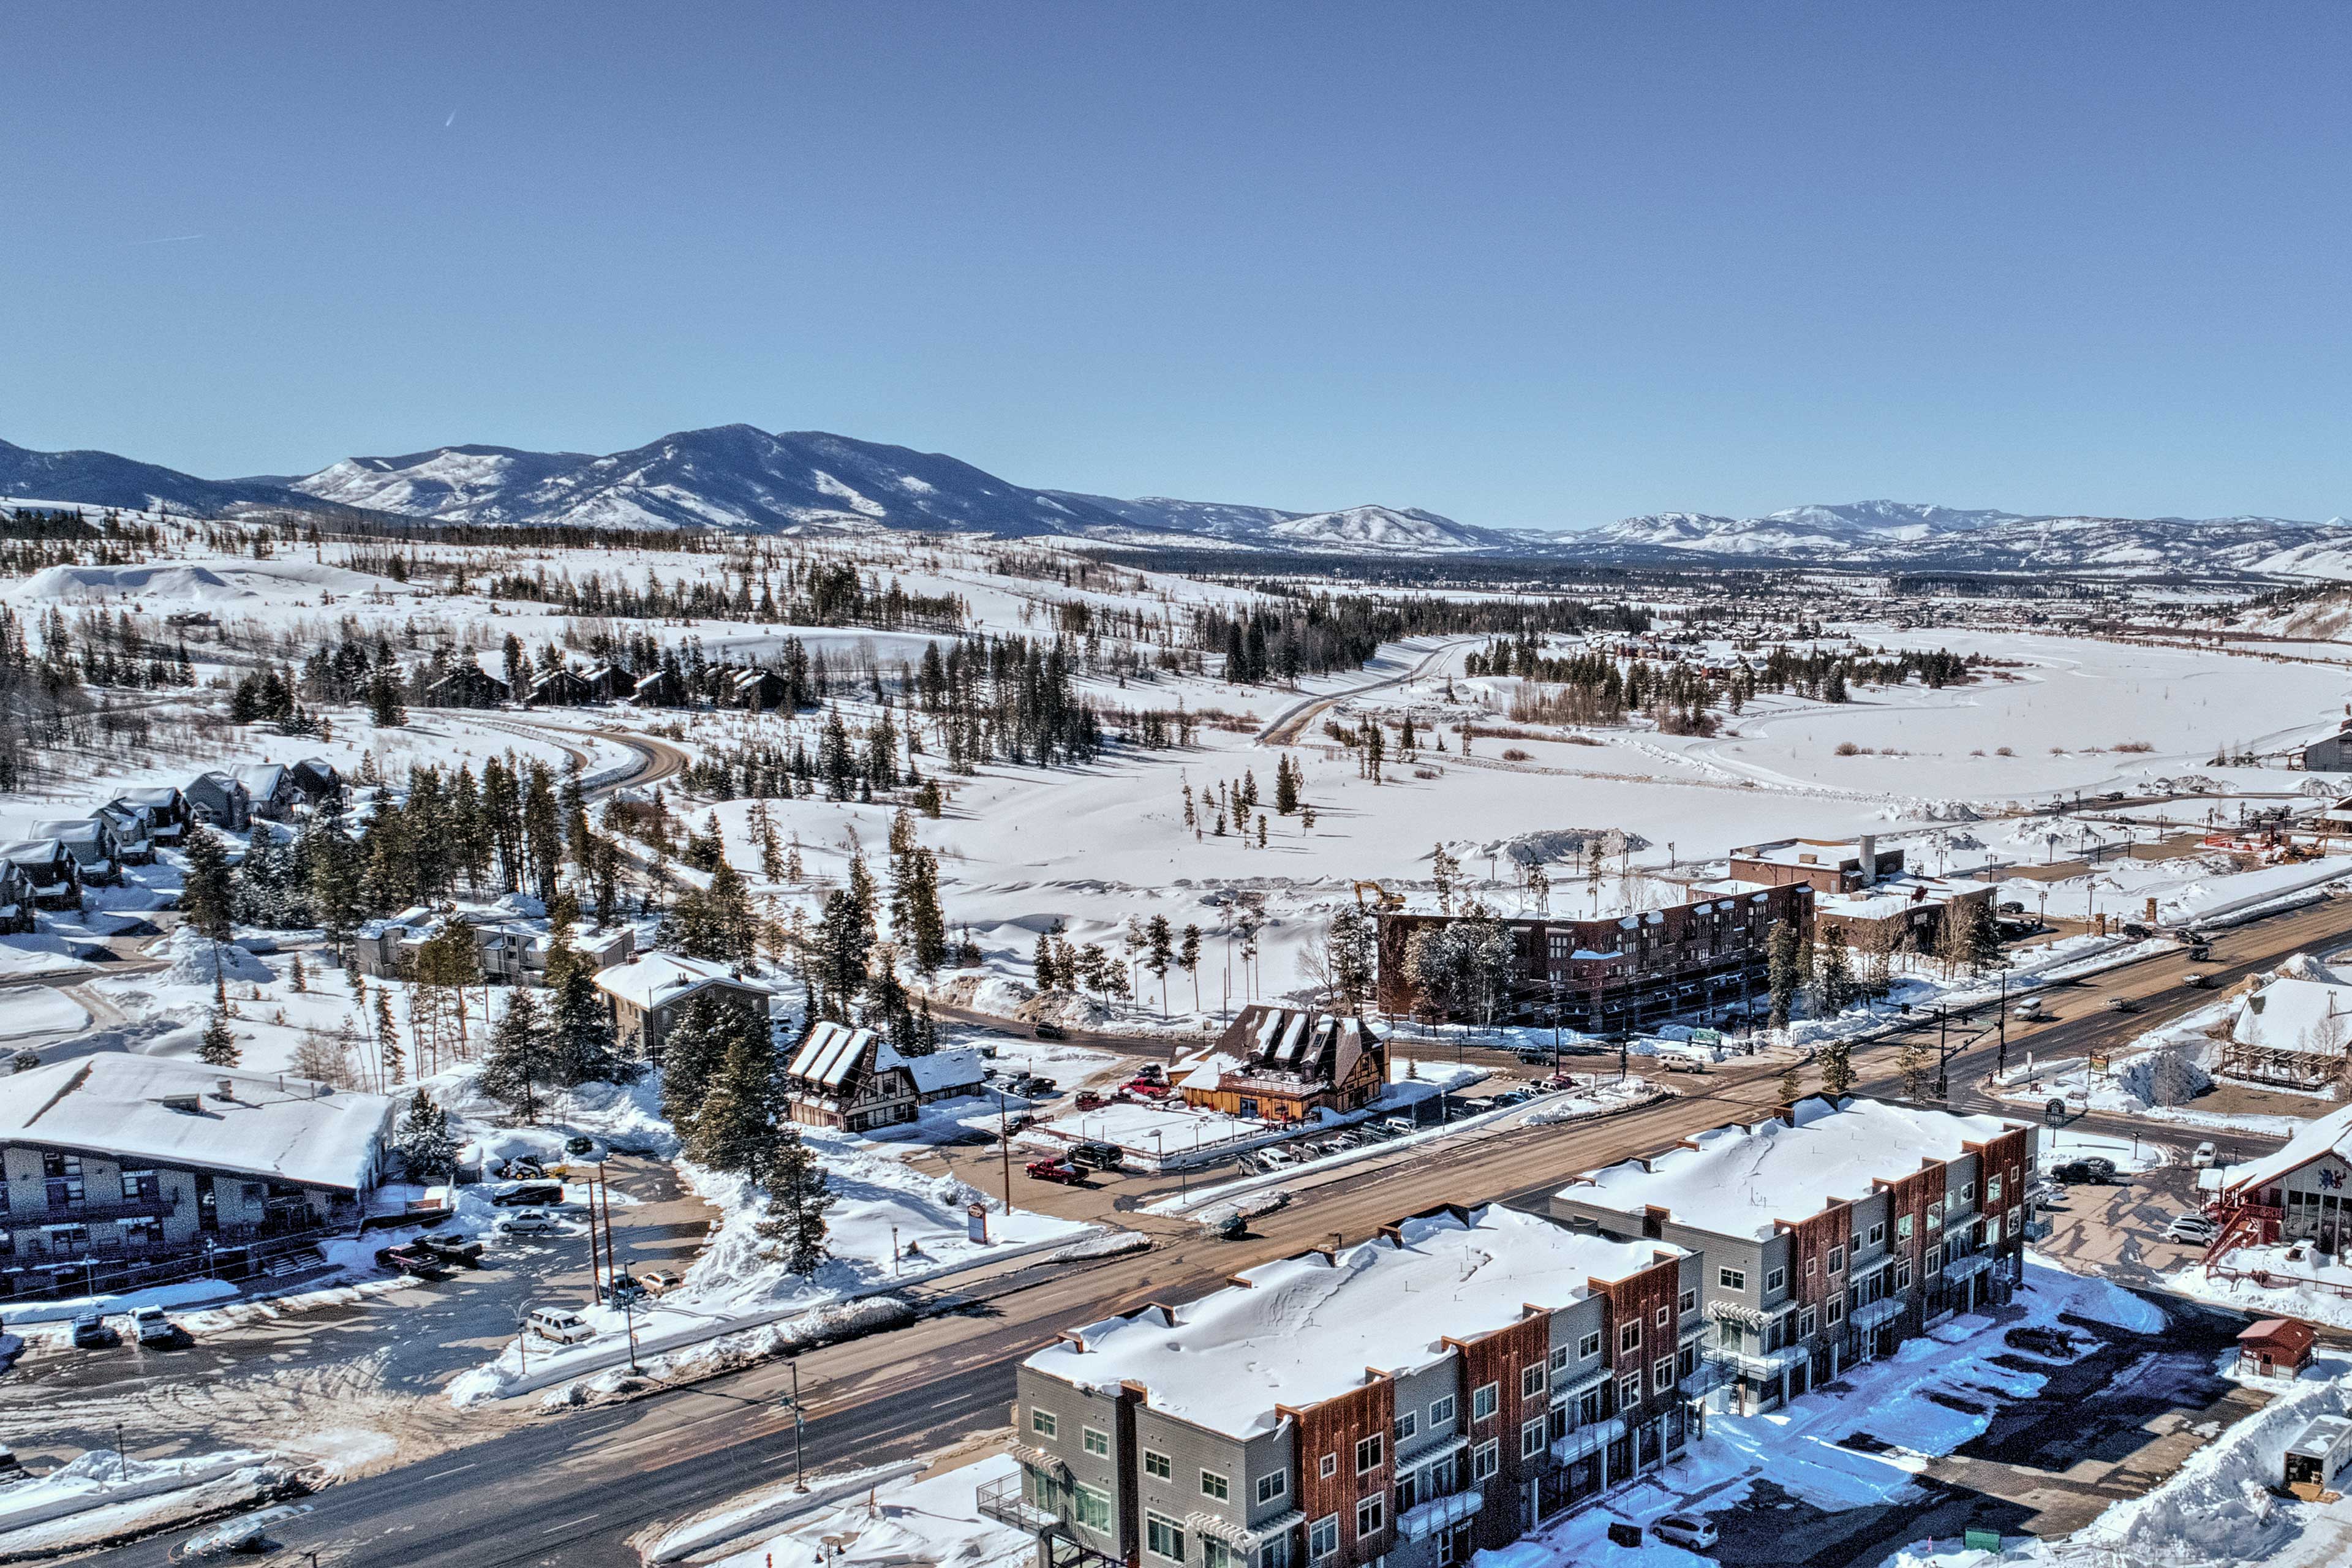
(1381, 898)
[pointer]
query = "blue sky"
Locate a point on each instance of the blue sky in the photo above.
(1539, 267)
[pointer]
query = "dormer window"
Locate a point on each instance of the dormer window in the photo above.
(185, 1104)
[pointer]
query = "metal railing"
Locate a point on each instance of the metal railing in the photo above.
(1005, 1501)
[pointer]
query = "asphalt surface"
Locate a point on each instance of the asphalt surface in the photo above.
(572, 1488)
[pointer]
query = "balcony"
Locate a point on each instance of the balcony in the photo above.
(1005, 1501)
(1587, 1439)
(1426, 1519)
(156, 1207)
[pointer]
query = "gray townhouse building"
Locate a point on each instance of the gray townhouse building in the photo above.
(1435, 1391)
(1831, 1233)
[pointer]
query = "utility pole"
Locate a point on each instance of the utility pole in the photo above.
(1943, 1051)
(1004, 1142)
(800, 1483)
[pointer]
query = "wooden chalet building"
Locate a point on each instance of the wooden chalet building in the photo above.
(662, 688)
(1285, 1064)
(560, 689)
(756, 689)
(609, 683)
(52, 876)
(466, 686)
(854, 1080)
(219, 800)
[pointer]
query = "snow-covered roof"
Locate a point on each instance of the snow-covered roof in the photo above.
(278, 1128)
(159, 799)
(831, 1050)
(2293, 1014)
(1829, 852)
(660, 978)
(1738, 1180)
(2328, 1134)
(1303, 1330)
(1891, 896)
(262, 779)
(75, 831)
(943, 1071)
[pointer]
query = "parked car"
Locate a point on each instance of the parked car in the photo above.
(660, 1282)
(1690, 1531)
(523, 1194)
(1035, 1088)
(2204, 1156)
(1090, 1100)
(554, 1323)
(2012, 908)
(91, 1332)
(2135, 931)
(1276, 1156)
(463, 1250)
(1098, 1155)
(1535, 1058)
(1045, 1031)
(1060, 1171)
(2079, 1174)
(1399, 1125)
(2123, 1005)
(150, 1327)
(2194, 1229)
(409, 1259)
(527, 1221)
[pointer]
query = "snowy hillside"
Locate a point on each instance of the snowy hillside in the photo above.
(101, 479)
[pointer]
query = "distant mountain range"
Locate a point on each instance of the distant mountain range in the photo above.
(739, 477)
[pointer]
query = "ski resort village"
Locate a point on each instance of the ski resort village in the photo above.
(918, 1045)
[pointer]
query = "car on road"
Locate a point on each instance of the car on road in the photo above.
(2123, 1003)
(527, 1194)
(1535, 1058)
(2194, 1229)
(1689, 1531)
(1045, 1031)
(660, 1282)
(2030, 1008)
(92, 1332)
(1060, 1171)
(2198, 980)
(2204, 1156)
(2136, 931)
(528, 1221)
(554, 1323)
(149, 1326)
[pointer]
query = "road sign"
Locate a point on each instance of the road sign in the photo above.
(2055, 1113)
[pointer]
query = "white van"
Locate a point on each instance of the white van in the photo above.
(563, 1328)
(2204, 1156)
(2029, 1009)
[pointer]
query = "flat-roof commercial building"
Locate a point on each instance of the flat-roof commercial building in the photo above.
(1831, 1233)
(114, 1156)
(1435, 1391)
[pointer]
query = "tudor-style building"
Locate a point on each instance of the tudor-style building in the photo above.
(1427, 1410)
(1833, 1232)
(2301, 1192)
(854, 1080)
(1285, 1064)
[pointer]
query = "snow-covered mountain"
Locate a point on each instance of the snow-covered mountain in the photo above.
(1355, 528)
(1903, 535)
(103, 479)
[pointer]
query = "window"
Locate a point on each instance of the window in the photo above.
(1813, 1267)
(1095, 1442)
(1163, 1538)
(1666, 1318)
(1485, 1400)
(1588, 1347)
(1213, 1485)
(1329, 1466)
(1323, 1536)
(1934, 1258)
(1628, 1391)
(1043, 1423)
(1903, 1227)
(1092, 1508)
(1215, 1553)
(1992, 1190)
(1560, 1358)
(1967, 1191)
(1407, 1423)
(2014, 1231)
(1878, 1233)
(1732, 1279)
(1837, 1259)
(1276, 1553)
(1629, 1338)
(1834, 1309)
(1408, 1492)
(1157, 1465)
(1903, 1276)
(1484, 1460)
(1272, 1485)
(1727, 1335)
(140, 1186)
(1368, 1513)
(1688, 1303)
(1368, 1453)
(1531, 1439)
(1441, 1411)
(1805, 1324)
(1662, 1373)
(1531, 1381)
(1774, 1282)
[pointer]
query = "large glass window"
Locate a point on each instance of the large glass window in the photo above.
(1323, 1536)
(1272, 1485)
(1092, 1508)
(1163, 1538)
(1484, 1401)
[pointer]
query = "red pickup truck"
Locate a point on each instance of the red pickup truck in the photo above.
(1060, 1171)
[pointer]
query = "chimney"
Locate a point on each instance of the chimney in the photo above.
(226, 1090)
(1869, 846)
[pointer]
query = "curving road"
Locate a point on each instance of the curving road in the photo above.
(1292, 721)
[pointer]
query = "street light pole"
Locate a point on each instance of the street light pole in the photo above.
(1004, 1141)
(800, 1482)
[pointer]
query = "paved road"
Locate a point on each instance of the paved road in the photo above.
(1292, 721)
(570, 1489)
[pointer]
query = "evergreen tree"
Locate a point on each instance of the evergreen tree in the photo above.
(1792, 1083)
(1159, 954)
(798, 1197)
(579, 1031)
(1783, 975)
(1042, 961)
(519, 1058)
(1912, 1062)
(384, 705)
(1834, 976)
(423, 1139)
(763, 834)
(734, 1123)
(694, 1053)
(219, 1047)
(207, 895)
(389, 1055)
(1836, 1061)
(1285, 786)
(1188, 958)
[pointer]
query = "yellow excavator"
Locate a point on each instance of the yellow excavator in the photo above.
(1381, 898)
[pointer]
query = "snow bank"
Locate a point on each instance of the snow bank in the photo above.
(102, 1478)
(40, 1013)
(770, 1506)
(184, 1293)
(197, 960)
(894, 1524)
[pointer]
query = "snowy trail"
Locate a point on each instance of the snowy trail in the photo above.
(1292, 721)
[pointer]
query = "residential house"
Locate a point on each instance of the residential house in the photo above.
(468, 685)
(609, 683)
(2275, 1347)
(662, 688)
(168, 811)
(15, 899)
(318, 782)
(219, 800)
(647, 993)
(1285, 1064)
(511, 949)
(1387, 1404)
(93, 841)
(116, 1154)
(2333, 754)
(270, 789)
(757, 689)
(134, 830)
(560, 689)
(52, 876)
(2300, 1191)
(854, 1080)
(1833, 1232)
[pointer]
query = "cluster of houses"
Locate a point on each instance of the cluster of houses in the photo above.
(751, 688)
(49, 868)
(1469, 1373)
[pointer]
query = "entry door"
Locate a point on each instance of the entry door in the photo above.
(207, 1206)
